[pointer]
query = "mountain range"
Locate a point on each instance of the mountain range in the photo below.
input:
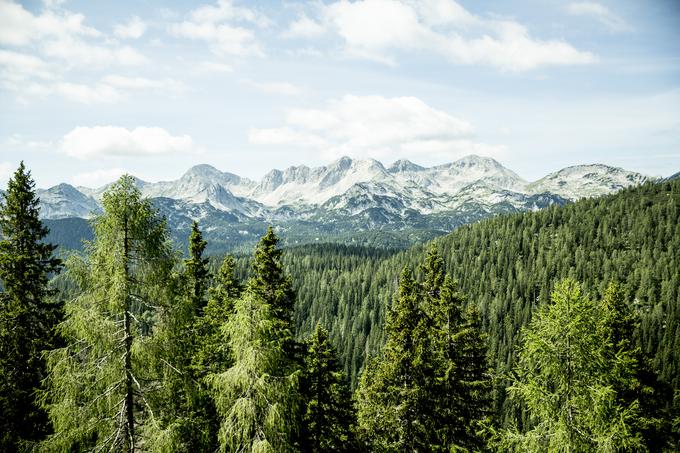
(359, 201)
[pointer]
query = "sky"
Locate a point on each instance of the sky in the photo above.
(90, 90)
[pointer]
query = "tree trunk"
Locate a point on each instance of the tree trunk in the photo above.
(129, 410)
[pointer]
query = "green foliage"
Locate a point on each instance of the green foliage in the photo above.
(257, 398)
(27, 312)
(430, 388)
(328, 415)
(99, 383)
(567, 378)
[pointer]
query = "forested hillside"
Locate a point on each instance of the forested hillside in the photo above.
(506, 266)
(549, 331)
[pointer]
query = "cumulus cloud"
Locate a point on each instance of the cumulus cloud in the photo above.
(97, 178)
(133, 29)
(601, 13)
(282, 88)
(382, 29)
(304, 27)
(225, 27)
(375, 126)
(63, 35)
(86, 142)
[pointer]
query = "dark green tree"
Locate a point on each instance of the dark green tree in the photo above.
(394, 402)
(197, 273)
(101, 385)
(28, 314)
(269, 281)
(328, 415)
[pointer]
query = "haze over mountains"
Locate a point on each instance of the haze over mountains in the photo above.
(348, 199)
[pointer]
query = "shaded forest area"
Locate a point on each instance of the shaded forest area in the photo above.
(548, 331)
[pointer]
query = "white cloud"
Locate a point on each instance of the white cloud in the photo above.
(282, 88)
(217, 25)
(304, 27)
(97, 178)
(600, 12)
(133, 29)
(211, 66)
(87, 94)
(86, 142)
(61, 34)
(166, 85)
(375, 126)
(382, 29)
(6, 170)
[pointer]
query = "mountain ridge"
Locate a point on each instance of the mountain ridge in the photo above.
(349, 196)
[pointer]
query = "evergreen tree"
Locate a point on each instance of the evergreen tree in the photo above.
(394, 404)
(563, 379)
(99, 382)
(197, 272)
(27, 313)
(213, 354)
(328, 415)
(631, 376)
(269, 281)
(186, 418)
(257, 398)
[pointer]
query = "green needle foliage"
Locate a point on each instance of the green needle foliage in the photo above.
(257, 398)
(27, 313)
(328, 414)
(99, 382)
(564, 379)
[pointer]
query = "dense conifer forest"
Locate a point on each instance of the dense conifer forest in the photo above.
(555, 330)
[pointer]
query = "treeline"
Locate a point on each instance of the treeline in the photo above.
(141, 350)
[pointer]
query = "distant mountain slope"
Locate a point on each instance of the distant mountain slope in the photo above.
(346, 198)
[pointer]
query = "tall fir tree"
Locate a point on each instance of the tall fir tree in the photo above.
(461, 389)
(268, 279)
(186, 415)
(632, 377)
(28, 314)
(100, 384)
(328, 415)
(394, 404)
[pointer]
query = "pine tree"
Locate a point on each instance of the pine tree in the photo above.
(563, 379)
(100, 384)
(27, 313)
(328, 415)
(257, 398)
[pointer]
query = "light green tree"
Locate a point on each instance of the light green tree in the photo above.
(99, 382)
(564, 380)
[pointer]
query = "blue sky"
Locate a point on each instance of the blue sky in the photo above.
(91, 89)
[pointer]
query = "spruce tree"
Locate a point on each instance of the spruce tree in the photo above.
(269, 281)
(186, 416)
(394, 404)
(197, 272)
(100, 384)
(27, 313)
(328, 415)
